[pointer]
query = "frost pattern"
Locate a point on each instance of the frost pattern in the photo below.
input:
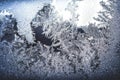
(73, 50)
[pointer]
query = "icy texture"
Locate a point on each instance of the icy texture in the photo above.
(71, 51)
(8, 26)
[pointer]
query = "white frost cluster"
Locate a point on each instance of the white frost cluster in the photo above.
(74, 50)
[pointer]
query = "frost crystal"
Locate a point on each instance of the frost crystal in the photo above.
(60, 47)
